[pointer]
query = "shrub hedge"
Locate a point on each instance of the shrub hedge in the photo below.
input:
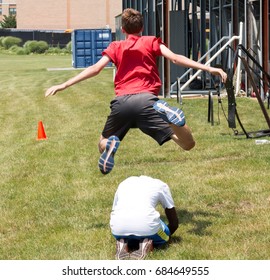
(13, 45)
(9, 41)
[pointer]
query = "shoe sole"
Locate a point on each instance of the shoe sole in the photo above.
(121, 253)
(142, 252)
(106, 160)
(163, 108)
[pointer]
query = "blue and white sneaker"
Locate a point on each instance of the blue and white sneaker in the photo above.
(169, 114)
(106, 160)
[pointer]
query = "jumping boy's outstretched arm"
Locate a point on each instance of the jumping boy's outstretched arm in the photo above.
(89, 72)
(189, 63)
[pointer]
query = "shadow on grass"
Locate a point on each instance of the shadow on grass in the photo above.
(200, 221)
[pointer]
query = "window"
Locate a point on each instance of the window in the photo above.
(12, 11)
(0, 11)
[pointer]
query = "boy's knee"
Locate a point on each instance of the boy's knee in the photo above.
(189, 146)
(186, 143)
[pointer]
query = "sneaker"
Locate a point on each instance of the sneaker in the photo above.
(169, 114)
(145, 247)
(106, 160)
(121, 250)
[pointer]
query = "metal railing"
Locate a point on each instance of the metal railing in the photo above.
(230, 40)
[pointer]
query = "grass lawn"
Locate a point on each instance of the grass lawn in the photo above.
(55, 204)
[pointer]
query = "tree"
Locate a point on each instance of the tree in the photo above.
(8, 21)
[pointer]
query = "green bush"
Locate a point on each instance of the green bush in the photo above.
(69, 47)
(36, 46)
(58, 50)
(16, 50)
(32, 46)
(42, 46)
(9, 21)
(29, 45)
(13, 49)
(10, 41)
(53, 50)
(20, 51)
(1, 39)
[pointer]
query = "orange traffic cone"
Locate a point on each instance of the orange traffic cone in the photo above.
(41, 131)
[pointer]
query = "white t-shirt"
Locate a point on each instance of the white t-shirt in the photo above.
(133, 211)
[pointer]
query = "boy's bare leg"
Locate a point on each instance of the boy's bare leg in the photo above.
(182, 136)
(175, 117)
(102, 144)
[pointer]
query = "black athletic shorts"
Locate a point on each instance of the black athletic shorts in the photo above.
(136, 111)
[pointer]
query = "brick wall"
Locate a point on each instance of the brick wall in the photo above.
(67, 14)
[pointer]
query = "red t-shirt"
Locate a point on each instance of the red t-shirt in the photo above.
(136, 61)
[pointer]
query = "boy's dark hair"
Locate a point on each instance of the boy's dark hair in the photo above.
(132, 21)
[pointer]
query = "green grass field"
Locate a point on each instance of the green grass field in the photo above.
(55, 204)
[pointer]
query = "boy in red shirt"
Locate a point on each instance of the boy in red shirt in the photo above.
(137, 85)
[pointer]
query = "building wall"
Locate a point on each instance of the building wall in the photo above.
(67, 14)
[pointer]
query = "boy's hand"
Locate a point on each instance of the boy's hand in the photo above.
(220, 72)
(54, 89)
